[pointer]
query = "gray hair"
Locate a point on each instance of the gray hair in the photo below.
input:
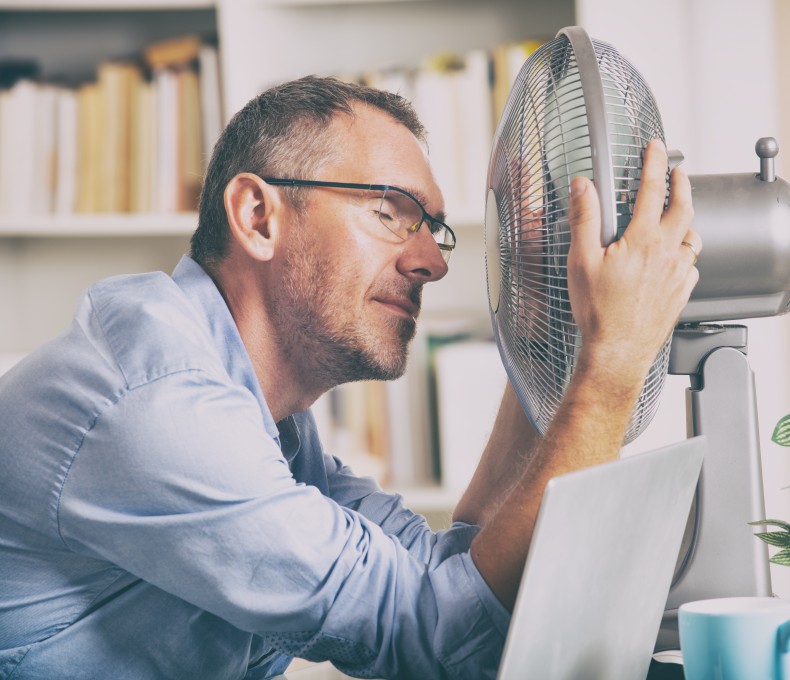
(282, 133)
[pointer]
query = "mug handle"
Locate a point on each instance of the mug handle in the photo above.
(783, 641)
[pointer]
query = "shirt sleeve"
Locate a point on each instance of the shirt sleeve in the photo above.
(365, 496)
(178, 482)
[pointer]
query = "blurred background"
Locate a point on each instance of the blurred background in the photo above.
(109, 110)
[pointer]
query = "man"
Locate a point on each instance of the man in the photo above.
(166, 508)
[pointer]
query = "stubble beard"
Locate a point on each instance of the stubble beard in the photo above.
(321, 334)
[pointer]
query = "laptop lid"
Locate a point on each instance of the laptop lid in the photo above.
(600, 567)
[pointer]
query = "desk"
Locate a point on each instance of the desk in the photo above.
(326, 671)
(320, 671)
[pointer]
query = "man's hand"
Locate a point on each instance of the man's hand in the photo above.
(626, 298)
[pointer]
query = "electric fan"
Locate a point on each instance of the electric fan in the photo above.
(578, 107)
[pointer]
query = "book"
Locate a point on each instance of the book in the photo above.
(65, 200)
(473, 131)
(210, 100)
(167, 141)
(189, 132)
(189, 116)
(453, 100)
(6, 144)
(173, 52)
(18, 135)
(436, 102)
(470, 382)
(40, 186)
(143, 171)
(353, 423)
(117, 83)
(507, 61)
(413, 405)
(89, 154)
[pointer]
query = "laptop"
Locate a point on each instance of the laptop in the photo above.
(599, 570)
(600, 567)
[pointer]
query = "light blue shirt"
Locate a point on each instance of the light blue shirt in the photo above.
(156, 523)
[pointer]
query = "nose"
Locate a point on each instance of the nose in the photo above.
(420, 258)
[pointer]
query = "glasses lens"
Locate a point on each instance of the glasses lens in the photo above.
(399, 213)
(403, 215)
(444, 239)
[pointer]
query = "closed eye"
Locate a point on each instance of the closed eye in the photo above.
(383, 215)
(386, 210)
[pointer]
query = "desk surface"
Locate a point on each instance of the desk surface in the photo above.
(321, 671)
(665, 666)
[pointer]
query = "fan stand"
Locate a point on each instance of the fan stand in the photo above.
(720, 556)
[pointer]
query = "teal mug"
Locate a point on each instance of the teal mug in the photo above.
(735, 638)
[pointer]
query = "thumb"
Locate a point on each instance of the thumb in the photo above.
(584, 215)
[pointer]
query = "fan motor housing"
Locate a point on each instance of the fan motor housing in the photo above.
(744, 222)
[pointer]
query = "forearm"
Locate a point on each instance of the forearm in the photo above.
(587, 430)
(509, 449)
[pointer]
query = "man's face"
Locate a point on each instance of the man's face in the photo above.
(351, 289)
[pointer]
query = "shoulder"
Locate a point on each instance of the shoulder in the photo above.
(147, 326)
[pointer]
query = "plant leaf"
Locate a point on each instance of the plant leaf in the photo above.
(771, 522)
(781, 433)
(782, 558)
(778, 538)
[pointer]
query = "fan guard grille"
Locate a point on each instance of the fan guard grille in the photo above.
(547, 136)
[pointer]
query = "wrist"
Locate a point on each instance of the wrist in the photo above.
(610, 375)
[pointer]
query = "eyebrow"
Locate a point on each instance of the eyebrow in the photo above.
(422, 199)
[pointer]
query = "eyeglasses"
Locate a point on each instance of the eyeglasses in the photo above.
(399, 211)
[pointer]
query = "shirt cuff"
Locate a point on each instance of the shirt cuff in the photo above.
(472, 625)
(457, 540)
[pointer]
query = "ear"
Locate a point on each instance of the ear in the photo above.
(253, 209)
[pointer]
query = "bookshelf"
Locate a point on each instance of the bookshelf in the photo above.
(46, 259)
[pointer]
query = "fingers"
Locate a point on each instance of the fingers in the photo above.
(652, 184)
(626, 297)
(585, 215)
(651, 223)
(680, 212)
(649, 204)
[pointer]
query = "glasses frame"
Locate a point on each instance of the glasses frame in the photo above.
(446, 249)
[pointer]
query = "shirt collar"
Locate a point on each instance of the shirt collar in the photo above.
(203, 293)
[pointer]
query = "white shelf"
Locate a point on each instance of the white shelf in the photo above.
(103, 5)
(176, 224)
(101, 225)
(319, 3)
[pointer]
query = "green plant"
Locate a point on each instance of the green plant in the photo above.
(781, 433)
(780, 539)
